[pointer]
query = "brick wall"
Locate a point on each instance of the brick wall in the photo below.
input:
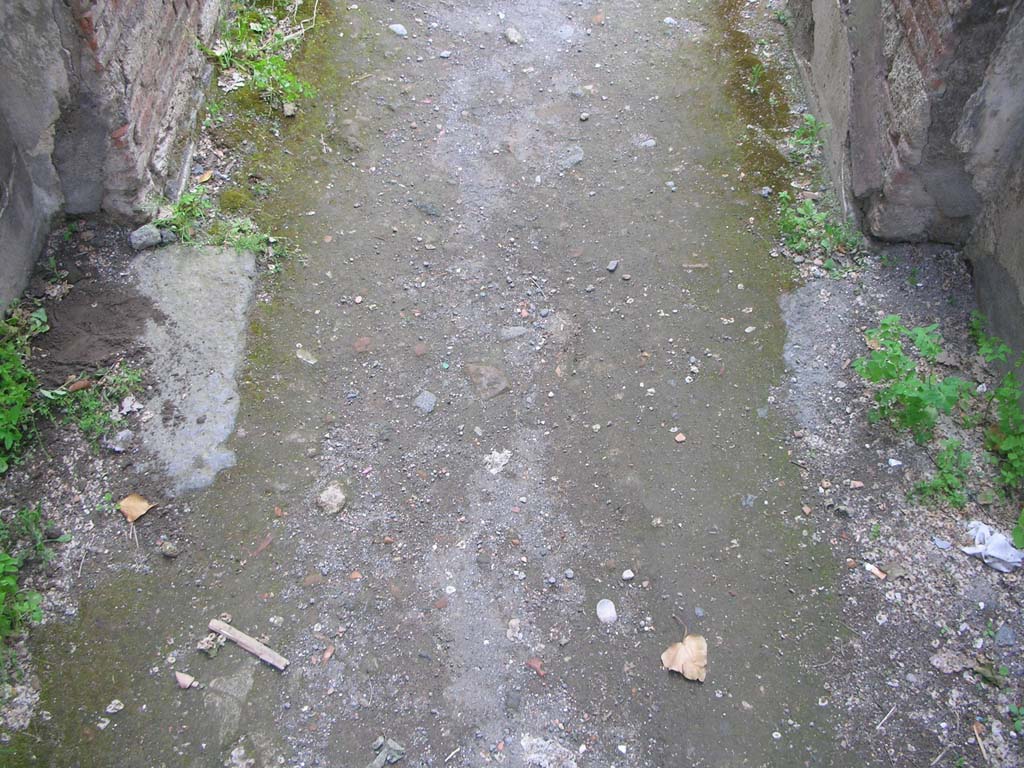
(925, 99)
(99, 98)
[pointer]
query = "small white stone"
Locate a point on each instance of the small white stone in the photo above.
(399, 30)
(628, 575)
(606, 612)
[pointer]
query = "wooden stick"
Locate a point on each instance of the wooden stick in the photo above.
(877, 726)
(250, 644)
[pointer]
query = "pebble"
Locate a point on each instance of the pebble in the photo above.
(569, 573)
(584, 116)
(649, 143)
(399, 30)
(669, 21)
(606, 611)
(146, 236)
(613, 265)
(444, 55)
(333, 498)
(514, 36)
(628, 575)
(1006, 637)
(698, 612)
(507, 334)
(426, 401)
(114, 707)
(671, 185)
(169, 550)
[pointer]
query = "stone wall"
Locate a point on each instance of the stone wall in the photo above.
(97, 101)
(925, 99)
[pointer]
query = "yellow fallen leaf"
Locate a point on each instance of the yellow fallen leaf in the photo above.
(689, 658)
(134, 506)
(205, 177)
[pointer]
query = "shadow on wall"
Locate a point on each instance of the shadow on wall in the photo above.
(98, 100)
(926, 107)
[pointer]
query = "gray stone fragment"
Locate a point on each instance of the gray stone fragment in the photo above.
(1006, 637)
(399, 30)
(333, 498)
(514, 332)
(514, 36)
(613, 265)
(146, 236)
(426, 401)
(487, 380)
(571, 158)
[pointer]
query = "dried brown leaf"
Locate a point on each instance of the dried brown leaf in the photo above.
(134, 506)
(689, 658)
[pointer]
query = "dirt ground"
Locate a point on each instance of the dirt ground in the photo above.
(527, 266)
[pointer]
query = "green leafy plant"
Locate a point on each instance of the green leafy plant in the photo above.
(1017, 534)
(754, 78)
(17, 605)
(186, 213)
(17, 382)
(251, 43)
(242, 234)
(804, 227)
(991, 348)
(25, 535)
(270, 76)
(807, 137)
(949, 482)
(1016, 712)
(95, 409)
(1005, 437)
(782, 17)
(910, 399)
(214, 114)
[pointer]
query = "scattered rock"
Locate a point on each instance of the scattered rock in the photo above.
(333, 498)
(569, 573)
(606, 611)
(114, 707)
(444, 55)
(290, 109)
(488, 381)
(584, 116)
(388, 752)
(184, 680)
(613, 265)
(118, 443)
(305, 356)
(507, 334)
(146, 236)
(628, 575)
(950, 661)
(169, 549)
(514, 36)
(426, 401)
(1006, 637)
(669, 21)
(542, 753)
(495, 461)
(399, 30)
(571, 158)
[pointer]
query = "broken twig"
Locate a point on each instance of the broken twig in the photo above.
(249, 643)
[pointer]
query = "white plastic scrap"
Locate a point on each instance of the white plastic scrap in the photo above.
(994, 549)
